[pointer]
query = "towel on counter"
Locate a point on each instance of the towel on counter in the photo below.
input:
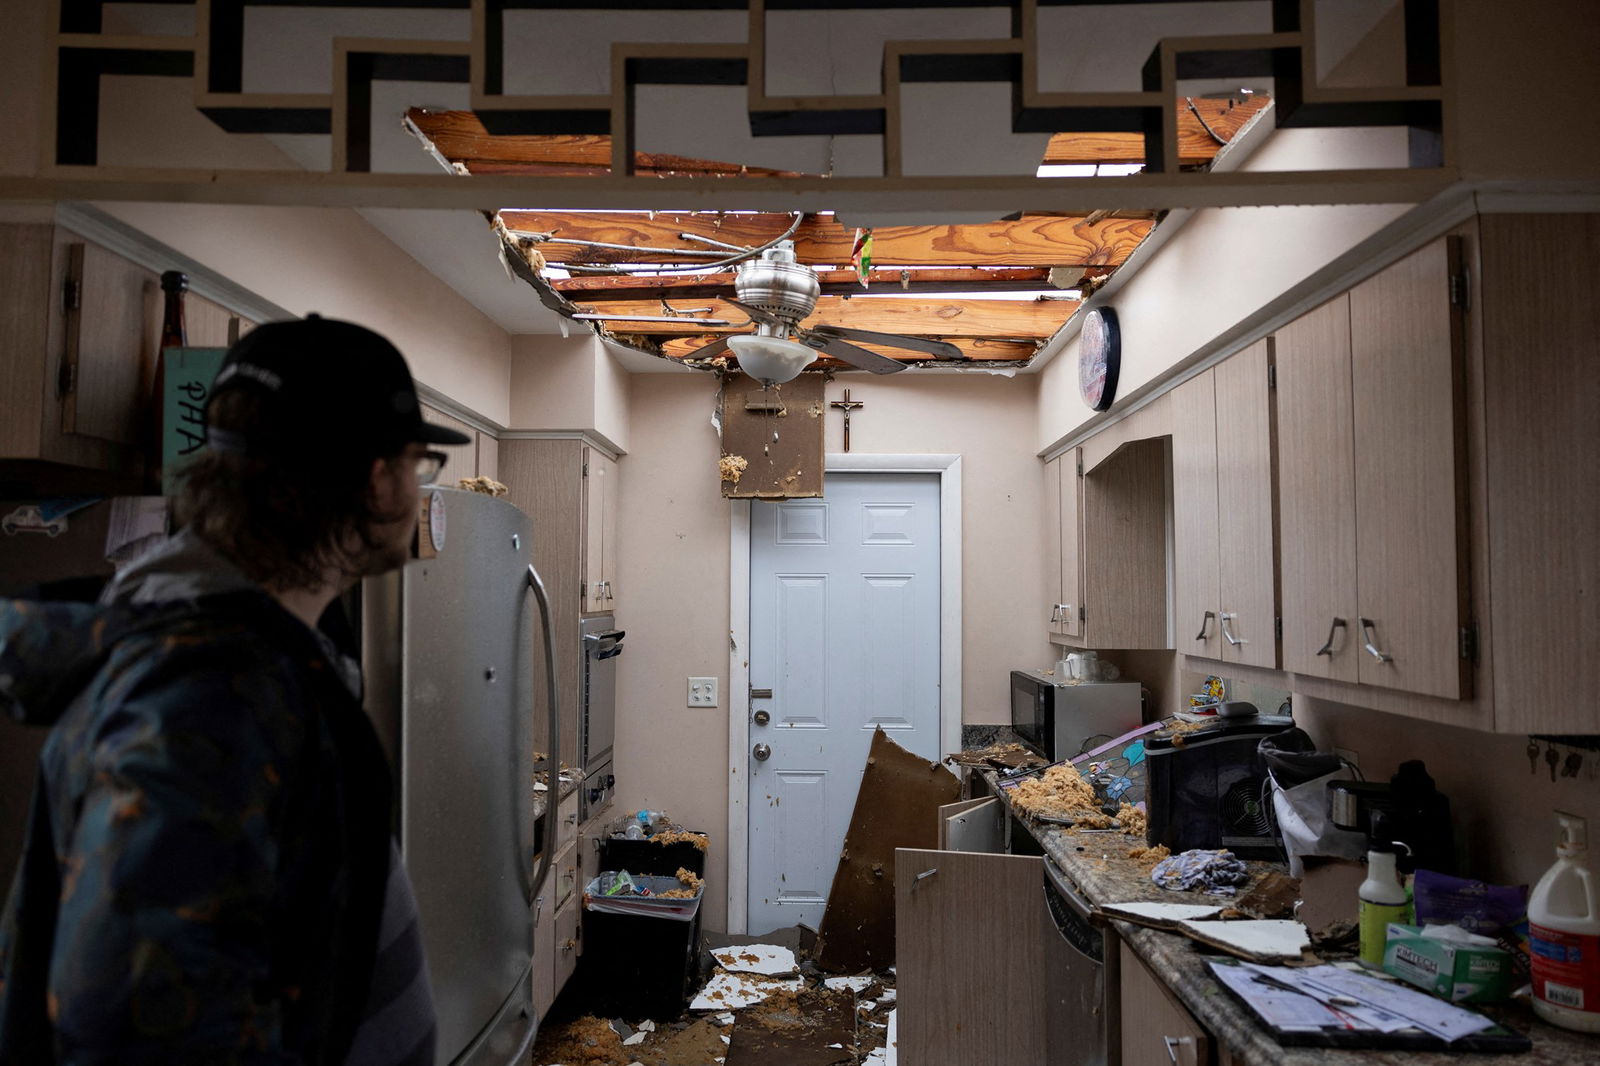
(1217, 872)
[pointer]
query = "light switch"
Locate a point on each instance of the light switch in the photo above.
(702, 692)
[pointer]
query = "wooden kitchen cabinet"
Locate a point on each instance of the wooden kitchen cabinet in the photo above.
(971, 931)
(1372, 483)
(1063, 536)
(546, 478)
(1224, 599)
(79, 330)
(1156, 1029)
(600, 532)
(1124, 547)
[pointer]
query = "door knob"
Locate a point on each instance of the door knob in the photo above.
(762, 717)
(762, 752)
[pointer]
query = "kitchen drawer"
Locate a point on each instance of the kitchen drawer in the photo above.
(563, 884)
(1156, 1029)
(544, 951)
(567, 820)
(566, 942)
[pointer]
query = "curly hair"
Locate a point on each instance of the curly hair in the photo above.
(283, 516)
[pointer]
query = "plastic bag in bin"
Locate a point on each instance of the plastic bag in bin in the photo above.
(618, 892)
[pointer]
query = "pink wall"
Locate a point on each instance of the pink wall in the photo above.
(673, 578)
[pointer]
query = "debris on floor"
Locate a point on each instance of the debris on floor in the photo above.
(897, 807)
(799, 1018)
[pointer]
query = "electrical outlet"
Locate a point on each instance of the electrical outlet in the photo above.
(702, 692)
(1349, 755)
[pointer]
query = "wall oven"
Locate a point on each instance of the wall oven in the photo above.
(597, 718)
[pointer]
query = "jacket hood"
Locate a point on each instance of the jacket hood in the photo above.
(50, 651)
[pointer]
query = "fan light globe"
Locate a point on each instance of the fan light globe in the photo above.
(771, 360)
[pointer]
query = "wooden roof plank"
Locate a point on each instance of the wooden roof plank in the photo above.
(834, 283)
(1033, 240)
(976, 348)
(1195, 145)
(1018, 319)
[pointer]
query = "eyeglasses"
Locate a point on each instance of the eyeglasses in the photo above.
(428, 466)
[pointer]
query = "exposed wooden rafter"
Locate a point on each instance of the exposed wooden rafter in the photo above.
(1014, 319)
(1033, 240)
(834, 283)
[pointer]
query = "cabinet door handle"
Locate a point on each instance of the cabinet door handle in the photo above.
(1055, 614)
(1226, 632)
(1333, 631)
(1173, 1043)
(607, 586)
(1205, 624)
(1367, 627)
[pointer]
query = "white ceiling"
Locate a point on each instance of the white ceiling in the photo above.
(959, 129)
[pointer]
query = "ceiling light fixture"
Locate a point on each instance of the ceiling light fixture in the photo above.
(771, 360)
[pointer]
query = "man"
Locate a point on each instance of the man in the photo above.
(209, 874)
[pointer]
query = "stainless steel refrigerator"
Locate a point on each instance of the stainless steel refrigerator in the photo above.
(446, 648)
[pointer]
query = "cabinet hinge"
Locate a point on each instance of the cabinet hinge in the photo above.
(71, 294)
(586, 468)
(1272, 375)
(1083, 613)
(1469, 642)
(1277, 626)
(1080, 464)
(66, 379)
(1461, 290)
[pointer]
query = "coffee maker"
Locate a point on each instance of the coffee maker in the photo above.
(1416, 814)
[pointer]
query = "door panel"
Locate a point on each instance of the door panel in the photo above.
(1407, 397)
(1071, 505)
(1194, 516)
(971, 934)
(1052, 542)
(1244, 508)
(844, 629)
(1316, 520)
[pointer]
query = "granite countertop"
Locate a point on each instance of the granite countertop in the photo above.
(570, 780)
(1098, 863)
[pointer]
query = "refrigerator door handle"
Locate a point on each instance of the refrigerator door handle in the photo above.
(552, 796)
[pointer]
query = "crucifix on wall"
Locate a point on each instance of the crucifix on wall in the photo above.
(847, 405)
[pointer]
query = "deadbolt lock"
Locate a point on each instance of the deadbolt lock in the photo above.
(762, 717)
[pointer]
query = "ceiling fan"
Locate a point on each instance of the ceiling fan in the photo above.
(778, 293)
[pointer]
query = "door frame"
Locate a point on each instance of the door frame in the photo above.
(948, 467)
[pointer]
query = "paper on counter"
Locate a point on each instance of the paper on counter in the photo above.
(756, 958)
(1444, 1020)
(1161, 913)
(1280, 1008)
(733, 990)
(1272, 938)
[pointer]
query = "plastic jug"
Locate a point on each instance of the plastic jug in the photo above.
(1564, 933)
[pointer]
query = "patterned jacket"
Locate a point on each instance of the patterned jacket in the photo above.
(208, 842)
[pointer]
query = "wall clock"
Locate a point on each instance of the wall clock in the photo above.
(1099, 358)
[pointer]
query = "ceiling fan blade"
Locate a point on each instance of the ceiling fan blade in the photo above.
(766, 318)
(709, 351)
(857, 357)
(942, 349)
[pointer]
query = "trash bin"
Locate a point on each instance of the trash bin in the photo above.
(642, 954)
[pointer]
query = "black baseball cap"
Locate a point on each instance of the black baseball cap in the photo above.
(335, 384)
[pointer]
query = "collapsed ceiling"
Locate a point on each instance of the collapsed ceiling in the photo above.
(663, 283)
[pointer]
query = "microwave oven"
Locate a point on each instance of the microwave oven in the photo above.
(1060, 719)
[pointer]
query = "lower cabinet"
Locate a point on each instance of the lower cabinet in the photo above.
(1156, 1029)
(970, 938)
(555, 924)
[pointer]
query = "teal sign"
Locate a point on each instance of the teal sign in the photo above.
(187, 374)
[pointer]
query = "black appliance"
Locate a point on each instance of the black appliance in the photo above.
(1417, 815)
(1204, 787)
(1083, 1022)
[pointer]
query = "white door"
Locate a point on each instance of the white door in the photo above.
(844, 633)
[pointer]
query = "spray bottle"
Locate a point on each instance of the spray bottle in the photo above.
(1564, 933)
(1382, 897)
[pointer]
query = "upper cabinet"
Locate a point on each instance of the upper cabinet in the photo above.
(600, 532)
(1372, 488)
(1224, 606)
(1063, 535)
(79, 330)
(1125, 547)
